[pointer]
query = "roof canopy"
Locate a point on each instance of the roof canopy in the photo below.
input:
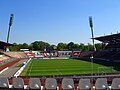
(109, 38)
(3, 44)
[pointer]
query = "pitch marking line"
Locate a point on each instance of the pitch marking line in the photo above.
(30, 67)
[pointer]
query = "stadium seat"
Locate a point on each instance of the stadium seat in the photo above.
(4, 84)
(67, 84)
(34, 84)
(101, 84)
(50, 84)
(18, 84)
(115, 84)
(84, 84)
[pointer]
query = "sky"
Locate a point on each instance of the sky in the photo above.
(55, 21)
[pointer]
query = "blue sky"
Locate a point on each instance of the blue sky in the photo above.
(57, 21)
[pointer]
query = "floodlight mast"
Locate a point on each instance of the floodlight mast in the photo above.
(94, 49)
(10, 24)
(91, 26)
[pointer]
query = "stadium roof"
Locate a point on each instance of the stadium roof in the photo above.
(3, 44)
(109, 38)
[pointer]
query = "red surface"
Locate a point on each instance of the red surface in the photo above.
(9, 64)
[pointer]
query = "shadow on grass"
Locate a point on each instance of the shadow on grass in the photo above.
(115, 65)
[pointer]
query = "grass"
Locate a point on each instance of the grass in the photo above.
(62, 67)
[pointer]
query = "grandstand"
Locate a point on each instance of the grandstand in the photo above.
(3, 45)
(111, 51)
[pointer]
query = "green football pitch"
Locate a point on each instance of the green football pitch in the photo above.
(63, 67)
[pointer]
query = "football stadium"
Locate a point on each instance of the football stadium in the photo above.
(53, 69)
(66, 66)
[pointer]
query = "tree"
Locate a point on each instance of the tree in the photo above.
(25, 46)
(98, 46)
(39, 45)
(82, 46)
(61, 46)
(76, 46)
(89, 47)
(14, 47)
(70, 46)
